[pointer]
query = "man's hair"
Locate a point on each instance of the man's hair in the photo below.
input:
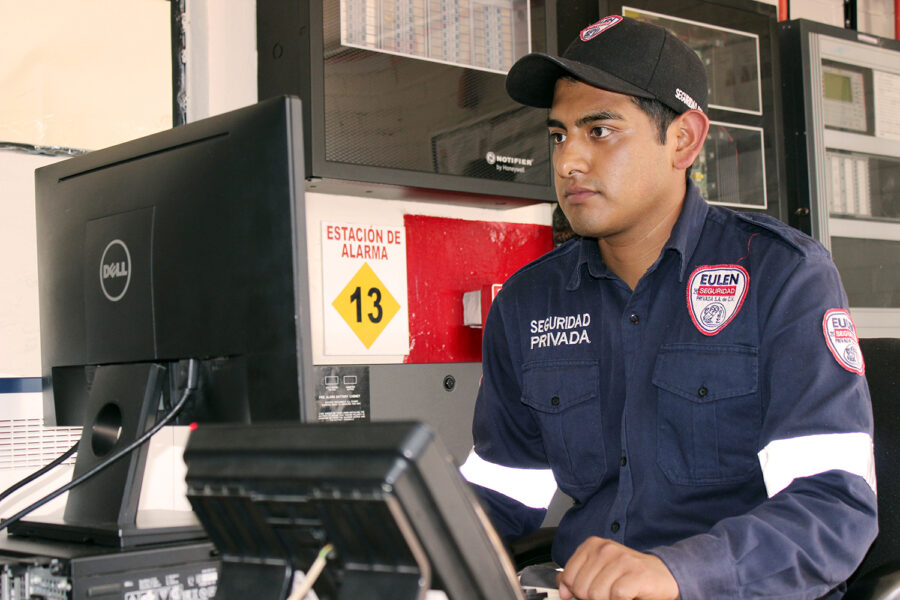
(661, 115)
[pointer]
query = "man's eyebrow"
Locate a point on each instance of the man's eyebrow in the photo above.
(603, 115)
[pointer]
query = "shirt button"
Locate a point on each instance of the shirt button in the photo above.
(634, 318)
(554, 400)
(623, 461)
(702, 391)
(614, 527)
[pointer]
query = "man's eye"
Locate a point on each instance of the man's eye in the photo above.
(557, 138)
(600, 131)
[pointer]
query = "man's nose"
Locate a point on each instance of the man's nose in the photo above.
(571, 157)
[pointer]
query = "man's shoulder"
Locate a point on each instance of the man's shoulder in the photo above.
(780, 233)
(553, 266)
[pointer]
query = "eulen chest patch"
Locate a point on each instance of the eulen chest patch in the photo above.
(715, 295)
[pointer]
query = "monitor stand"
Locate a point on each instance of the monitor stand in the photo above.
(122, 405)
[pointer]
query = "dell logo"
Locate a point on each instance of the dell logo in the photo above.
(115, 270)
(119, 269)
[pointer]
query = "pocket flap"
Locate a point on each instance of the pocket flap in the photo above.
(704, 373)
(553, 386)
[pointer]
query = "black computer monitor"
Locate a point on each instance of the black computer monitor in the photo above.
(386, 495)
(186, 244)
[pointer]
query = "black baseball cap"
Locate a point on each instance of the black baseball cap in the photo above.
(619, 54)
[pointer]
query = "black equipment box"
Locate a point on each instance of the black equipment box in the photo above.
(31, 568)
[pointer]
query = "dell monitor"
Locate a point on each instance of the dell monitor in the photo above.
(385, 498)
(188, 244)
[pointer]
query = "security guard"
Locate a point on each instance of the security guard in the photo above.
(689, 375)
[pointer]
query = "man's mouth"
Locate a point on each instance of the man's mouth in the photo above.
(576, 194)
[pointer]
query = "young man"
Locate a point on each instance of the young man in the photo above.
(689, 375)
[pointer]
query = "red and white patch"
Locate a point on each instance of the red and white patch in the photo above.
(592, 31)
(840, 335)
(715, 295)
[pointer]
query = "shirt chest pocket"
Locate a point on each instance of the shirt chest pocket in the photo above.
(710, 412)
(563, 399)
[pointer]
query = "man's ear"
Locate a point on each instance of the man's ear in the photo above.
(690, 129)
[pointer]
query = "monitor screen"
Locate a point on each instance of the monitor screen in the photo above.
(412, 93)
(386, 496)
(844, 96)
(186, 244)
(189, 243)
(837, 87)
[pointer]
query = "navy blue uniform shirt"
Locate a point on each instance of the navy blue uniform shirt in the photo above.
(716, 416)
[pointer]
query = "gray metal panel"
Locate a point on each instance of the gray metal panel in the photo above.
(416, 392)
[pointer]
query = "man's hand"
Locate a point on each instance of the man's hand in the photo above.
(602, 569)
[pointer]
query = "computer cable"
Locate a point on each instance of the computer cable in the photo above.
(39, 473)
(191, 386)
(312, 575)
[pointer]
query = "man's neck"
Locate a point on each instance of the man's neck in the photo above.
(630, 258)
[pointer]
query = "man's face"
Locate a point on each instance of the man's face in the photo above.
(614, 179)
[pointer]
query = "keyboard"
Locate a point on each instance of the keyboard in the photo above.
(533, 593)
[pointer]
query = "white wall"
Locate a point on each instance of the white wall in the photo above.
(877, 17)
(19, 343)
(221, 56)
(80, 74)
(873, 16)
(84, 73)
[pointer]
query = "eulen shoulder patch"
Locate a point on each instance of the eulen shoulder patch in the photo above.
(715, 295)
(840, 335)
(592, 31)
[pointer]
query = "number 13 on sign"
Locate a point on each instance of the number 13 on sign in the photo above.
(375, 293)
(366, 305)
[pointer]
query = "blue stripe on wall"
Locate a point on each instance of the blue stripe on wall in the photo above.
(20, 385)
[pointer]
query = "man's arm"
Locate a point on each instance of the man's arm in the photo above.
(507, 466)
(815, 455)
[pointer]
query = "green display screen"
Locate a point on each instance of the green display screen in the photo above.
(838, 87)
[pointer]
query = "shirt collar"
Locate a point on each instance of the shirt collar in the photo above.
(683, 240)
(686, 234)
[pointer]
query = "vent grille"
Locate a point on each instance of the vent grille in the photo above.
(26, 443)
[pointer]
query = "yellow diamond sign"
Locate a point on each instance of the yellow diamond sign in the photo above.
(366, 305)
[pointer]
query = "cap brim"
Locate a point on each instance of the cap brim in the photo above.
(532, 79)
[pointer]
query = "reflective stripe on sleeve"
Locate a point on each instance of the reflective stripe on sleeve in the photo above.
(532, 487)
(782, 461)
